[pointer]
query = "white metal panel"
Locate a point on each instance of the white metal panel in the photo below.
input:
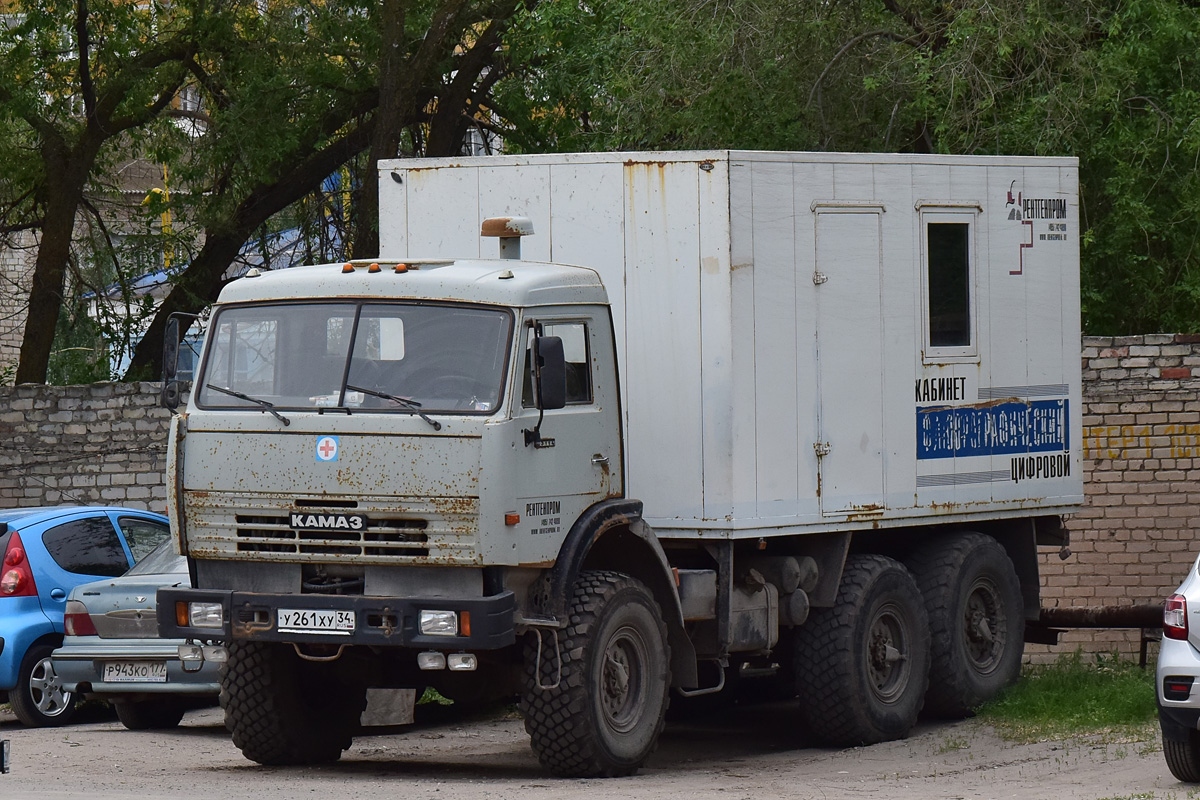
(893, 185)
(717, 344)
(850, 359)
(777, 382)
(393, 213)
(586, 227)
(663, 360)
(743, 389)
(430, 230)
(811, 183)
(504, 193)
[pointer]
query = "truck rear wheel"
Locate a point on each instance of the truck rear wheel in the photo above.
(862, 666)
(605, 714)
(973, 598)
(284, 710)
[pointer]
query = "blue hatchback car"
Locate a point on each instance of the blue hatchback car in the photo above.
(44, 553)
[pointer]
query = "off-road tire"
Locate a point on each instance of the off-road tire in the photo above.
(976, 621)
(148, 715)
(604, 716)
(862, 666)
(1183, 757)
(38, 699)
(284, 710)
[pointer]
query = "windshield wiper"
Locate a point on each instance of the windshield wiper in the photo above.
(404, 402)
(268, 407)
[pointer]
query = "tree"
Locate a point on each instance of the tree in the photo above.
(258, 159)
(75, 79)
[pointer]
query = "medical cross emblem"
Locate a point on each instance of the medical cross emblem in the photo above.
(327, 448)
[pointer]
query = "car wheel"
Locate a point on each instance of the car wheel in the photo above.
(39, 700)
(1183, 757)
(144, 715)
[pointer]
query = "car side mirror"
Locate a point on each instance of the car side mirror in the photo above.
(550, 369)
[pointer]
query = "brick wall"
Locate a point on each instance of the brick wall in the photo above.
(104, 443)
(1131, 544)
(1137, 536)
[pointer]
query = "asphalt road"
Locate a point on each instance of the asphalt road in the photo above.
(748, 753)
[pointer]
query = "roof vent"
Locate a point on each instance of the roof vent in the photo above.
(509, 230)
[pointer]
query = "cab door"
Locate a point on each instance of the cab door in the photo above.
(572, 458)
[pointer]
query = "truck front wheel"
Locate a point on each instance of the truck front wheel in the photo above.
(973, 598)
(284, 710)
(601, 713)
(862, 666)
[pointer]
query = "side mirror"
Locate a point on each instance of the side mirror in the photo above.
(169, 398)
(170, 359)
(550, 370)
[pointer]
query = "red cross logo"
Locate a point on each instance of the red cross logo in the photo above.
(327, 447)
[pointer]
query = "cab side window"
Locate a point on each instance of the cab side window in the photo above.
(574, 337)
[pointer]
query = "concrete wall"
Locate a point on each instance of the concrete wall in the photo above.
(1131, 544)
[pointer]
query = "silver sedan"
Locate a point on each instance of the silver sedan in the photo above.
(112, 650)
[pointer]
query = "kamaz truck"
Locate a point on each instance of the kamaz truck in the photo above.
(603, 432)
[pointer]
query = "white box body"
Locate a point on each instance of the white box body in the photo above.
(772, 321)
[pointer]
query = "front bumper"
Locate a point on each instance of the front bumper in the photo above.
(379, 621)
(79, 663)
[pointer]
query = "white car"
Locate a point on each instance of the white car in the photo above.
(1176, 678)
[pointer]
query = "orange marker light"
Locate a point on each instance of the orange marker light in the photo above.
(402, 268)
(512, 519)
(347, 267)
(464, 623)
(181, 614)
(373, 269)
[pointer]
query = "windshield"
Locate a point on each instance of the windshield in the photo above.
(385, 357)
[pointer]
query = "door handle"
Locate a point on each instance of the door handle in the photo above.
(599, 459)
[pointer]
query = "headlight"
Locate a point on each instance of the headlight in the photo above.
(205, 615)
(462, 662)
(439, 623)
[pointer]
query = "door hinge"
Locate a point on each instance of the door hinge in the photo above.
(819, 278)
(822, 448)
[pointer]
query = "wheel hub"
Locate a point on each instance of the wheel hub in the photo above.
(621, 681)
(887, 662)
(47, 690)
(983, 622)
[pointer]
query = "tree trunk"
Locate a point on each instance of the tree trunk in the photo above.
(64, 194)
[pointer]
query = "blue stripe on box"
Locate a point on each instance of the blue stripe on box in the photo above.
(1038, 426)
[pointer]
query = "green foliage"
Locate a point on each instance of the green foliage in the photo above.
(1076, 695)
(1109, 81)
(80, 355)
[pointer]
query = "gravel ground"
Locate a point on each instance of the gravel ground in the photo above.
(749, 753)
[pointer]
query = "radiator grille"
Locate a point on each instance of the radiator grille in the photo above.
(258, 527)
